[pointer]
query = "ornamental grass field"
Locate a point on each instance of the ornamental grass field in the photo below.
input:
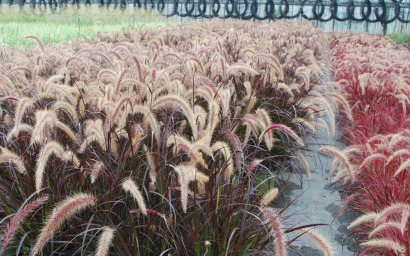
(173, 140)
(373, 75)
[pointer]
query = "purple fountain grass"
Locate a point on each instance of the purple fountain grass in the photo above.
(405, 165)
(286, 129)
(97, 168)
(226, 152)
(319, 240)
(104, 241)
(369, 217)
(129, 186)
(398, 153)
(397, 208)
(272, 219)
(63, 211)
(14, 224)
(331, 151)
(50, 148)
(269, 197)
(134, 104)
(6, 156)
(302, 158)
(253, 165)
(386, 243)
(176, 101)
(187, 174)
(264, 116)
(371, 158)
(236, 146)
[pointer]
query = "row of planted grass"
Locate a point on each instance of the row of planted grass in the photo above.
(64, 23)
(372, 74)
(154, 141)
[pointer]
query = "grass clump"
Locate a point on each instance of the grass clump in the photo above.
(373, 77)
(400, 38)
(161, 136)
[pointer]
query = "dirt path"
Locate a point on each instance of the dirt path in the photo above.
(319, 202)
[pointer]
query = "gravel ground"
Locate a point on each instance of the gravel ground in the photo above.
(319, 202)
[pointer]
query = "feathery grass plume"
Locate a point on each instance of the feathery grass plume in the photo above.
(392, 209)
(236, 69)
(98, 166)
(182, 126)
(16, 131)
(213, 117)
(319, 240)
(50, 148)
(269, 197)
(176, 140)
(398, 153)
(286, 129)
(137, 138)
(62, 212)
(237, 146)
(60, 92)
(254, 123)
(388, 225)
(6, 118)
(180, 143)
(40, 44)
(187, 174)
(93, 131)
(45, 119)
(203, 145)
(120, 79)
(66, 130)
(363, 82)
(176, 101)
(14, 224)
(335, 165)
(319, 100)
(305, 123)
(200, 116)
(225, 99)
(253, 165)
(402, 167)
(252, 102)
(22, 105)
(369, 217)
(70, 109)
(379, 137)
(129, 186)
(104, 241)
(9, 97)
(344, 103)
(119, 110)
(371, 158)
(274, 63)
(386, 244)
(7, 156)
(397, 139)
(273, 221)
(302, 158)
(286, 88)
(340, 174)
(150, 160)
(331, 151)
(226, 152)
(264, 116)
